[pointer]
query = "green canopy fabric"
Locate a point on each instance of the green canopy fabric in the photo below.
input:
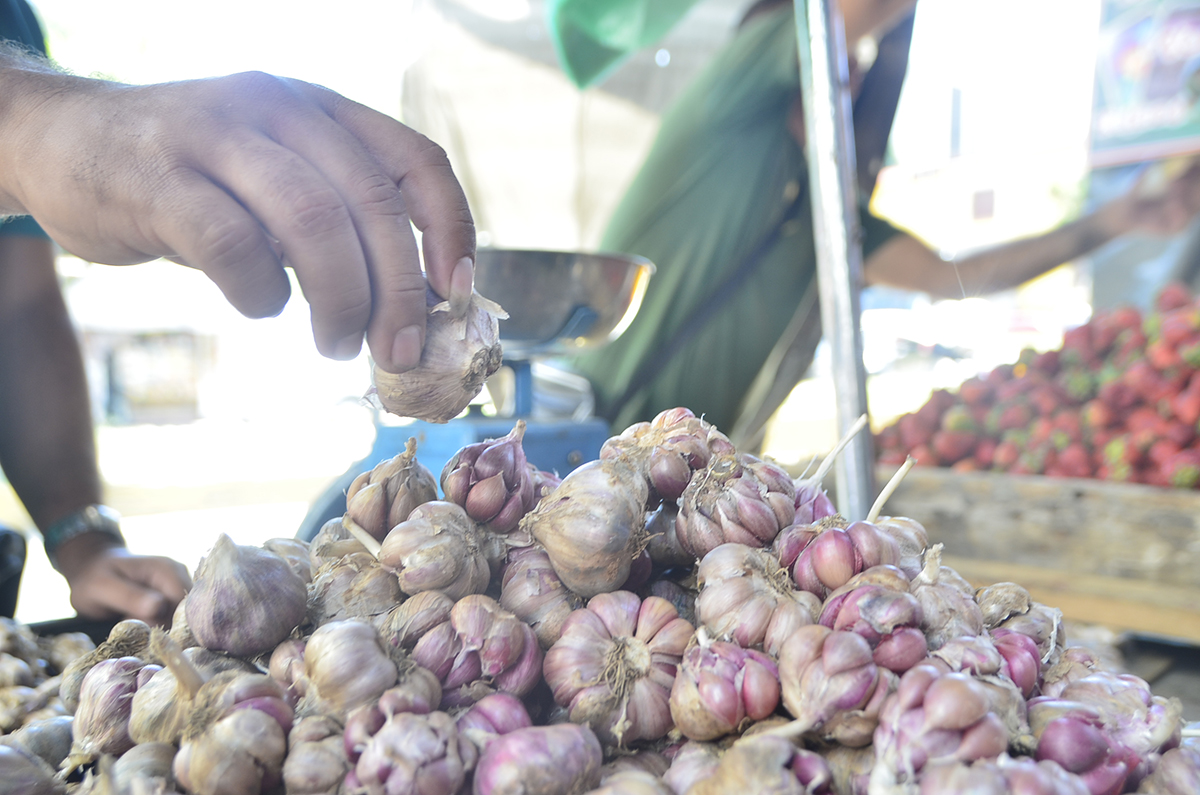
(593, 37)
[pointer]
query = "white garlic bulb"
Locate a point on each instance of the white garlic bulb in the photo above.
(460, 354)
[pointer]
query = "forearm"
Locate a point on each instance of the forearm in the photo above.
(907, 263)
(1010, 264)
(47, 449)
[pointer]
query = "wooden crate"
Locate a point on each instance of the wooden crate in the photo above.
(1123, 555)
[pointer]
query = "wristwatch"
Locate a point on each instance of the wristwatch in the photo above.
(90, 519)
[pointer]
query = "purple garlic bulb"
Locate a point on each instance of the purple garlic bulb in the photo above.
(492, 481)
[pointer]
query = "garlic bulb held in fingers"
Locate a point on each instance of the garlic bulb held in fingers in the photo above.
(460, 354)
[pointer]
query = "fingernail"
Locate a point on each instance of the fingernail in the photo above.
(462, 283)
(406, 349)
(348, 347)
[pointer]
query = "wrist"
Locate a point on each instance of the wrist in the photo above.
(77, 537)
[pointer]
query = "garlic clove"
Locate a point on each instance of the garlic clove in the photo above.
(460, 353)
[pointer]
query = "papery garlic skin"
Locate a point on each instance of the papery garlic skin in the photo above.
(101, 723)
(541, 759)
(614, 666)
(592, 525)
(668, 450)
(736, 499)
(947, 602)
(481, 649)
(747, 598)
(245, 599)
(355, 586)
(1002, 776)
(1178, 772)
(694, 761)
(933, 716)
(406, 623)
(460, 354)
(129, 638)
(437, 548)
(145, 768)
(719, 687)
(347, 665)
(831, 685)
(380, 499)
(26, 774)
(767, 764)
(533, 592)
(316, 762)
(492, 481)
(241, 754)
(49, 739)
(418, 754)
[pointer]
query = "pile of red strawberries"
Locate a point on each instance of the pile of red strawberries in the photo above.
(1120, 400)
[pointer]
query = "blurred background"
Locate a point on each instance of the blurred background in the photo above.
(209, 423)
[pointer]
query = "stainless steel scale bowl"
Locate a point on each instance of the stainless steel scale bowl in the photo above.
(558, 302)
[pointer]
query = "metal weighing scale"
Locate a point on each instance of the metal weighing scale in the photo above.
(558, 303)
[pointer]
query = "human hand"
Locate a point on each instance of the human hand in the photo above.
(1165, 210)
(110, 582)
(240, 176)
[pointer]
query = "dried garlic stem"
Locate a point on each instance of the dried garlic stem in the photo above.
(827, 464)
(169, 651)
(362, 536)
(790, 730)
(892, 485)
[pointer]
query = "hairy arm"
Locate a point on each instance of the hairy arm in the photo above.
(240, 177)
(908, 263)
(46, 441)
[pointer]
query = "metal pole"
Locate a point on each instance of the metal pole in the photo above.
(829, 144)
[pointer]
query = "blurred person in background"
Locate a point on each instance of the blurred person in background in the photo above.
(238, 176)
(721, 206)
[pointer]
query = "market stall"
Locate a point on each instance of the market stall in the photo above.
(511, 597)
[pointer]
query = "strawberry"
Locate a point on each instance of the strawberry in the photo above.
(1182, 434)
(1152, 326)
(888, 438)
(1144, 418)
(1077, 346)
(924, 456)
(1097, 414)
(1074, 461)
(1172, 296)
(1069, 422)
(1078, 384)
(965, 465)
(1000, 375)
(1035, 461)
(1099, 441)
(1161, 450)
(893, 457)
(1010, 391)
(1005, 455)
(958, 418)
(1130, 345)
(952, 446)
(1108, 325)
(1122, 450)
(1163, 355)
(1186, 406)
(975, 392)
(914, 431)
(1189, 351)
(985, 452)
(1154, 476)
(1142, 378)
(1179, 324)
(1040, 431)
(1118, 395)
(937, 404)
(1182, 470)
(1047, 362)
(1005, 418)
(1046, 399)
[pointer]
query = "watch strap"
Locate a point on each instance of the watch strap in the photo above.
(89, 519)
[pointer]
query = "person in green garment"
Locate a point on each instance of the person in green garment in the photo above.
(721, 207)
